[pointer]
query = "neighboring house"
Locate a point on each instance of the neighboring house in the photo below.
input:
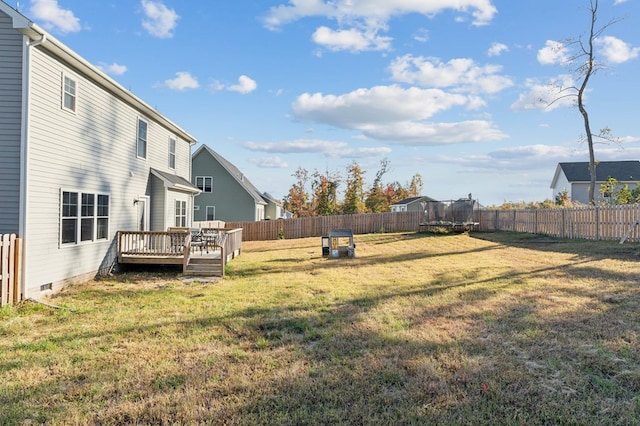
(274, 208)
(411, 204)
(575, 178)
(81, 158)
(226, 194)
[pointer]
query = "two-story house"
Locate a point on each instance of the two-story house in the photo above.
(81, 158)
(227, 194)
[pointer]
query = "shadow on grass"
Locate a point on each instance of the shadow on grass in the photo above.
(440, 352)
(582, 248)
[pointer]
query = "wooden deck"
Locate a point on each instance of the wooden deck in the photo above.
(175, 247)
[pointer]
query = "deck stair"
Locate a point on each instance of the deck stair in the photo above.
(204, 266)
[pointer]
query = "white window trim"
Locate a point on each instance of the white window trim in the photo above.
(73, 78)
(79, 217)
(146, 140)
(203, 186)
(206, 216)
(183, 207)
(172, 154)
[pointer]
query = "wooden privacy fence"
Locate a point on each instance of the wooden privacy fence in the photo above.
(591, 222)
(318, 226)
(10, 267)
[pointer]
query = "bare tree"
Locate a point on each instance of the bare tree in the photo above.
(588, 66)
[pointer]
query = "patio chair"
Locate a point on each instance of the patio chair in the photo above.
(197, 240)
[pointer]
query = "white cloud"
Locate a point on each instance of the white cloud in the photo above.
(511, 159)
(461, 74)
(361, 21)
(482, 11)
(269, 162)
(113, 69)
(352, 39)
(160, 20)
(546, 97)
(183, 81)
(297, 146)
(430, 134)
(315, 146)
(497, 49)
(616, 2)
(54, 17)
(397, 115)
(615, 50)
(245, 85)
(380, 104)
(554, 52)
(422, 35)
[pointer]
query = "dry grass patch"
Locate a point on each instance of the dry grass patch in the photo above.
(417, 329)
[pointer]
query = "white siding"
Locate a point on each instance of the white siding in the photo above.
(92, 150)
(561, 184)
(10, 118)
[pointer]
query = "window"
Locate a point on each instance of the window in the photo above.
(102, 217)
(84, 217)
(181, 213)
(69, 223)
(204, 183)
(88, 209)
(211, 213)
(172, 153)
(142, 139)
(69, 94)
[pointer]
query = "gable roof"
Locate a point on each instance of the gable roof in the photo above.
(234, 172)
(46, 41)
(271, 199)
(412, 200)
(175, 182)
(623, 171)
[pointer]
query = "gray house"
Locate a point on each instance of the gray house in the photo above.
(81, 158)
(575, 178)
(227, 194)
(411, 204)
(274, 208)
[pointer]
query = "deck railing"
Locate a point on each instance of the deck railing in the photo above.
(174, 246)
(152, 243)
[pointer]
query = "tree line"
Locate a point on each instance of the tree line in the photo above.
(318, 193)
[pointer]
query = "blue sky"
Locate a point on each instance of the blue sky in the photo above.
(451, 89)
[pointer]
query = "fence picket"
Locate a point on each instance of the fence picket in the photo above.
(10, 265)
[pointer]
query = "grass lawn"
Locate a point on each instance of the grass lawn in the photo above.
(417, 329)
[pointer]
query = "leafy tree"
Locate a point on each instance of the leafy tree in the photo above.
(297, 201)
(619, 193)
(376, 201)
(563, 199)
(415, 187)
(354, 193)
(395, 192)
(325, 193)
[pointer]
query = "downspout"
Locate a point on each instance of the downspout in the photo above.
(38, 42)
(24, 157)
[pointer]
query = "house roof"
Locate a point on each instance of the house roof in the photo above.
(235, 172)
(175, 182)
(412, 200)
(337, 233)
(623, 171)
(49, 43)
(270, 198)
